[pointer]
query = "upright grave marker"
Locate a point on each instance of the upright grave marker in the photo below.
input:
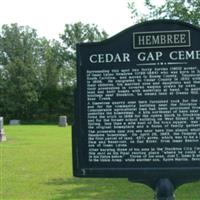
(138, 105)
(62, 121)
(2, 133)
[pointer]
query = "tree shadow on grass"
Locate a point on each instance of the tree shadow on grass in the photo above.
(101, 189)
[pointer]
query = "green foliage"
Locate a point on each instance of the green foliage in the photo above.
(185, 10)
(18, 50)
(78, 33)
(51, 63)
(37, 76)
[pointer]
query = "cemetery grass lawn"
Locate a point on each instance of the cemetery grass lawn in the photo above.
(36, 164)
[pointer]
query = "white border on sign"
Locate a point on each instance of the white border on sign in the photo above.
(156, 47)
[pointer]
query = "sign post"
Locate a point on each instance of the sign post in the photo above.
(138, 106)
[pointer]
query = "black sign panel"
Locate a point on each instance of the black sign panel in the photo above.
(138, 104)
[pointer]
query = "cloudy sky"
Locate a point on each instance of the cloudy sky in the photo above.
(48, 17)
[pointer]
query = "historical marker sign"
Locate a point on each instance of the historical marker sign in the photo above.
(138, 104)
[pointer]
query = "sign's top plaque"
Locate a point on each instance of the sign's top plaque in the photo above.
(138, 103)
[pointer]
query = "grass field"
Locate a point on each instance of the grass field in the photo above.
(36, 163)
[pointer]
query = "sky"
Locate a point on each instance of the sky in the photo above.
(49, 17)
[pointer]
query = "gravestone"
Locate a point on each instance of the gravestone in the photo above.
(1, 122)
(137, 106)
(63, 121)
(14, 122)
(2, 133)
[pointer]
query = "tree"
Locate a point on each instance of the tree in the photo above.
(50, 72)
(2, 90)
(37, 76)
(73, 34)
(185, 10)
(18, 60)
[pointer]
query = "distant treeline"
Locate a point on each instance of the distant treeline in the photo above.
(37, 76)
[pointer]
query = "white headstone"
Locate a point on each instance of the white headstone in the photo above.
(63, 121)
(1, 123)
(14, 122)
(2, 134)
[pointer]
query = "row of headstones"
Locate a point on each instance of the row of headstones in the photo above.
(62, 121)
(2, 133)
